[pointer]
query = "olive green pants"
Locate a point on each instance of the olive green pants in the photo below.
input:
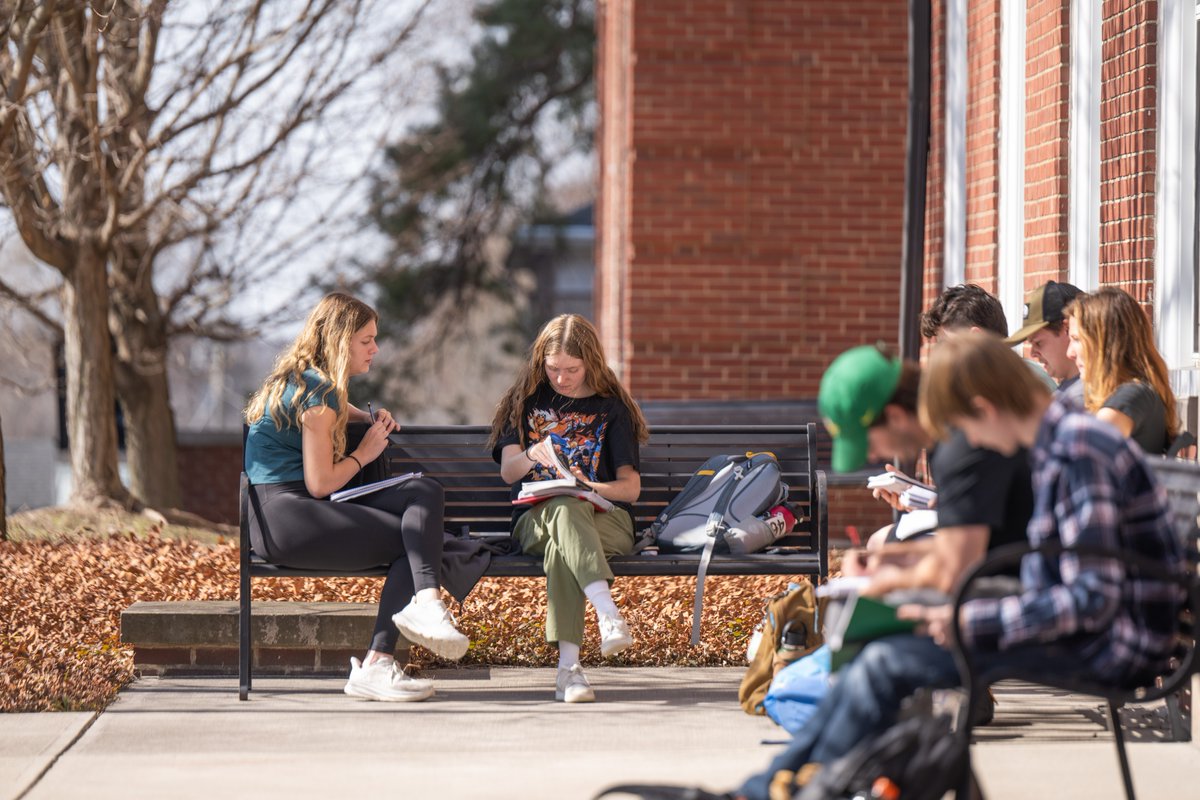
(575, 541)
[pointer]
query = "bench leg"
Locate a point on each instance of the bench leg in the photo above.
(969, 788)
(1119, 739)
(245, 651)
(1180, 731)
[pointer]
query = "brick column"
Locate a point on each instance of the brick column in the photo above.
(1128, 132)
(754, 216)
(983, 154)
(614, 79)
(935, 190)
(1046, 135)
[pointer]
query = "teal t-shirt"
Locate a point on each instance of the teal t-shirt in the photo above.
(277, 456)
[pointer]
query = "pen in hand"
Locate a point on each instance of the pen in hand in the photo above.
(370, 412)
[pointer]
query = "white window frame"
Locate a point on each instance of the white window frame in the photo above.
(954, 255)
(1010, 240)
(1083, 147)
(1175, 281)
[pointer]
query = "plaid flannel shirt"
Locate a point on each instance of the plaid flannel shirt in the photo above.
(1091, 487)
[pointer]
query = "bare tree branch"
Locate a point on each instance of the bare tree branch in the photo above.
(29, 304)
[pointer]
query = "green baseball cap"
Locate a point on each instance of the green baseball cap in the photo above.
(854, 389)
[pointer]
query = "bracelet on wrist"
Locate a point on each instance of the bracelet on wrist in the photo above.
(532, 460)
(355, 459)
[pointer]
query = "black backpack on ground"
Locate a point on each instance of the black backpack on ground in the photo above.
(917, 758)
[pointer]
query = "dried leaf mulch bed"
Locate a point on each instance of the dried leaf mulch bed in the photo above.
(61, 600)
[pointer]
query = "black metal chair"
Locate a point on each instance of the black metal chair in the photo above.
(1182, 479)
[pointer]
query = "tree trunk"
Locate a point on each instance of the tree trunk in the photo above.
(91, 427)
(141, 371)
(3, 494)
(137, 322)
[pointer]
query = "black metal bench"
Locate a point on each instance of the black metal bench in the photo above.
(477, 504)
(1182, 481)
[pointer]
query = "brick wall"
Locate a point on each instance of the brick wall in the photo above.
(209, 466)
(982, 143)
(935, 192)
(1047, 51)
(764, 194)
(614, 66)
(1127, 145)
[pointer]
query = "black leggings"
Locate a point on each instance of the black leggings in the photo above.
(400, 526)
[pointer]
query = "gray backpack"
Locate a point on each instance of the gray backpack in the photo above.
(704, 517)
(721, 495)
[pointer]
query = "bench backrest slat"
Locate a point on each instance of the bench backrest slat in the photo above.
(477, 498)
(478, 501)
(1182, 482)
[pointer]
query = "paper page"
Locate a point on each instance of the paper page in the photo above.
(844, 586)
(916, 497)
(896, 482)
(540, 487)
(594, 498)
(358, 491)
(914, 522)
(545, 451)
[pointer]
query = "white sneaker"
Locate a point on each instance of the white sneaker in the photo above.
(384, 680)
(431, 626)
(571, 686)
(614, 635)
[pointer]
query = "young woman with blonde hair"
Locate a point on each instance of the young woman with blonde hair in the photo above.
(568, 404)
(1124, 377)
(295, 456)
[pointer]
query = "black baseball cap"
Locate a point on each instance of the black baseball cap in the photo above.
(1044, 306)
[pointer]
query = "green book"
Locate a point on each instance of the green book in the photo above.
(860, 620)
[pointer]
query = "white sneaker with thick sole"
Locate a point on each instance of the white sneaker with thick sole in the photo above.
(384, 680)
(431, 626)
(571, 686)
(614, 635)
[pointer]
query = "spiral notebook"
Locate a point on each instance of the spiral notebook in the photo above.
(358, 491)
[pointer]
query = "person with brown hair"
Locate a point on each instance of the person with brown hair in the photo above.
(1075, 613)
(296, 456)
(1092, 490)
(1124, 377)
(568, 406)
(1044, 327)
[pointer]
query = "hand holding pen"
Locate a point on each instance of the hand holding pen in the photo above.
(383, 416)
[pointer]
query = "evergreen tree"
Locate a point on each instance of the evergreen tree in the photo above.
(454, 190)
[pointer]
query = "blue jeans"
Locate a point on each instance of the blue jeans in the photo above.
(866, 696)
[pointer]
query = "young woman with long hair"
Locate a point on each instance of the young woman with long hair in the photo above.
(1124, 377)
(567, 404)
(296, 456)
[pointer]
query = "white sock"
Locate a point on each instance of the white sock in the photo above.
(601, 598)
(376, 655)
(428, 595)
(568, 655)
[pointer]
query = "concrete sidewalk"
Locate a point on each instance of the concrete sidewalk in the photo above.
(498, 734)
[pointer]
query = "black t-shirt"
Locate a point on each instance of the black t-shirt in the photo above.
(593, 433)
(1141, 403)
(983, 487)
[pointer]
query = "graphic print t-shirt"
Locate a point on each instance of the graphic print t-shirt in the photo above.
(593, 433)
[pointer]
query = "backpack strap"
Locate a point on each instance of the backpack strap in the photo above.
(695, 485)
(715, 530)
